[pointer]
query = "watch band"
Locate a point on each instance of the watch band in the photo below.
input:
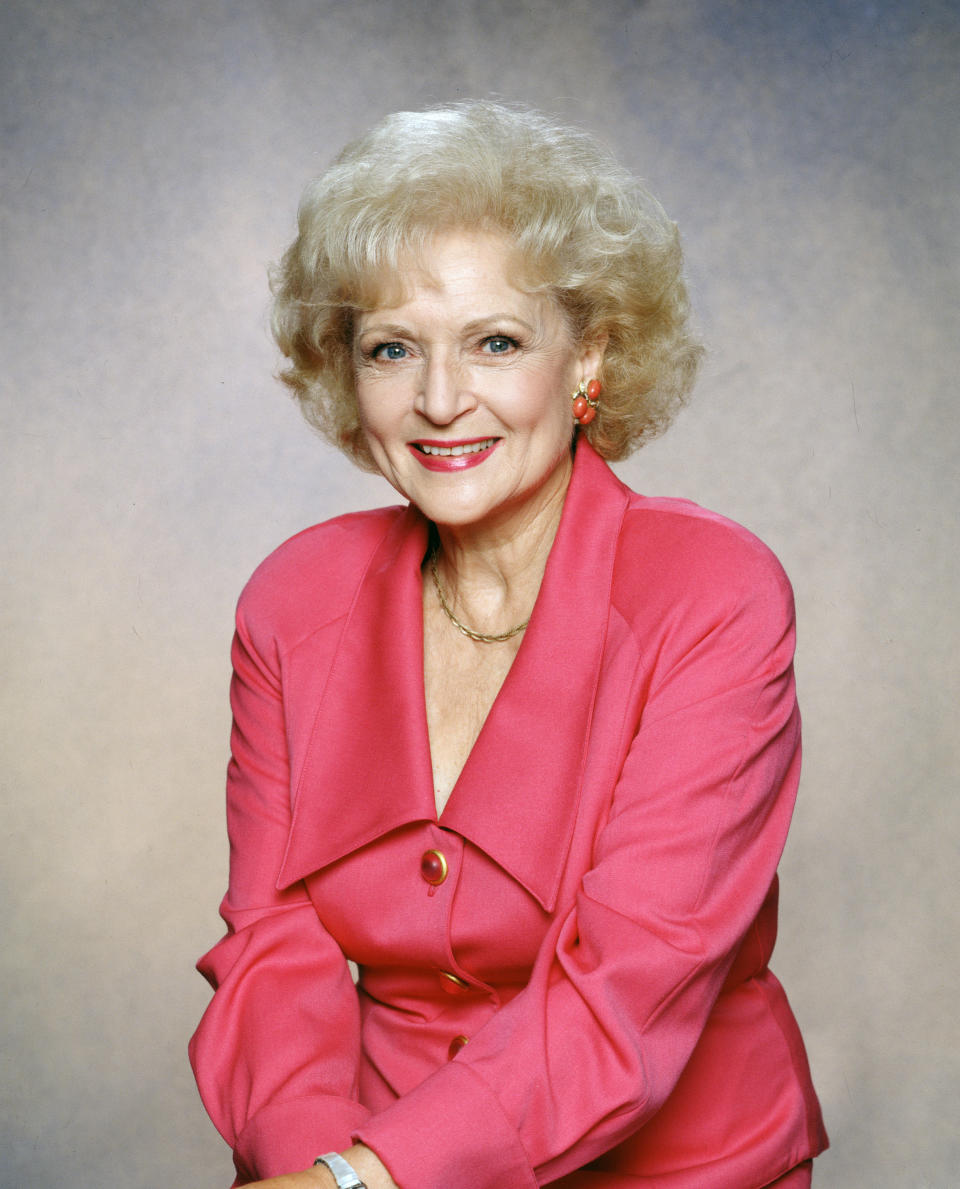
(346, 1175)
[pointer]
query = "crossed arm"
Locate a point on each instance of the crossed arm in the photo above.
(369, 1168)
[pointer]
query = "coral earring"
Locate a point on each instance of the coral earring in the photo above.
(586, 400)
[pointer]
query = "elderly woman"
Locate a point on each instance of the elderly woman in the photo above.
(524, 749)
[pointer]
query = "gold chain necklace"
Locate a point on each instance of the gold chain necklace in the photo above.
(481, 637)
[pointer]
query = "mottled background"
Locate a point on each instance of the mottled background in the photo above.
(152, 157)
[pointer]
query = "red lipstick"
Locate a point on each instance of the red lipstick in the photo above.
(450, 456)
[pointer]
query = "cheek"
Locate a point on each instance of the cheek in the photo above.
(542, 399)
(556, 408)
(376, 406)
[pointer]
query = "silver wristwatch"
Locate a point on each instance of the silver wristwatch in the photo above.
(346, 1176)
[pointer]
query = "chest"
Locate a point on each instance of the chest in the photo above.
(462, 679)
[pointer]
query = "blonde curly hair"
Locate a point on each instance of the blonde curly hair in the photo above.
(588, 235)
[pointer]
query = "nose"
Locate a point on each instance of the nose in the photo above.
(444, 393)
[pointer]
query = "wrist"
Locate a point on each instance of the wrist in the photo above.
(343, 1173)
(322, 1177)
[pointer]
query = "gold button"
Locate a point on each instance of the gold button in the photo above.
(456, 1045)
(433, 866)
(452, 983)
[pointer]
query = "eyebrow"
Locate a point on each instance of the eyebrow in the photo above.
(384, 328)
(493, 319)
(475, 324)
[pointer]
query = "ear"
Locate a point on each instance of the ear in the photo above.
(590, 356)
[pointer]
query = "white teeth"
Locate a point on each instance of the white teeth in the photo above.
(448, 451)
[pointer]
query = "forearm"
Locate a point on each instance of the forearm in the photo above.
(369, 1168)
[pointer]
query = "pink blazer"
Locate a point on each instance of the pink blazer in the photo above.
(564, 977)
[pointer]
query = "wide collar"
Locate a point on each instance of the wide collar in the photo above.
(367, 766)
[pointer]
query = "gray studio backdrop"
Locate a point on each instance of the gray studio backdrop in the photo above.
(153, 154)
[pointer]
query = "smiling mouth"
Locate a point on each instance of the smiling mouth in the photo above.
(454, 451)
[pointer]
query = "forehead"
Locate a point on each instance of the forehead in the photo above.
(457, 265)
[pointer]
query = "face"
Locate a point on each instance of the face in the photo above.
(464, 388)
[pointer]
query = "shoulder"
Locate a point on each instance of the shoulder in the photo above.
(674, 556)
(311, 578)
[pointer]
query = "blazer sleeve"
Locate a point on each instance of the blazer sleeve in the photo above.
(276, 1054)
(626, 979)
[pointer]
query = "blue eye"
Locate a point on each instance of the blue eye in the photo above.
(499, 344)
(389, 351)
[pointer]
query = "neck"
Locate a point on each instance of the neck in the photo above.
(492, 572)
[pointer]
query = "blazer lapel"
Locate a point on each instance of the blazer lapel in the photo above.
(367, 767)
(519, 791)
